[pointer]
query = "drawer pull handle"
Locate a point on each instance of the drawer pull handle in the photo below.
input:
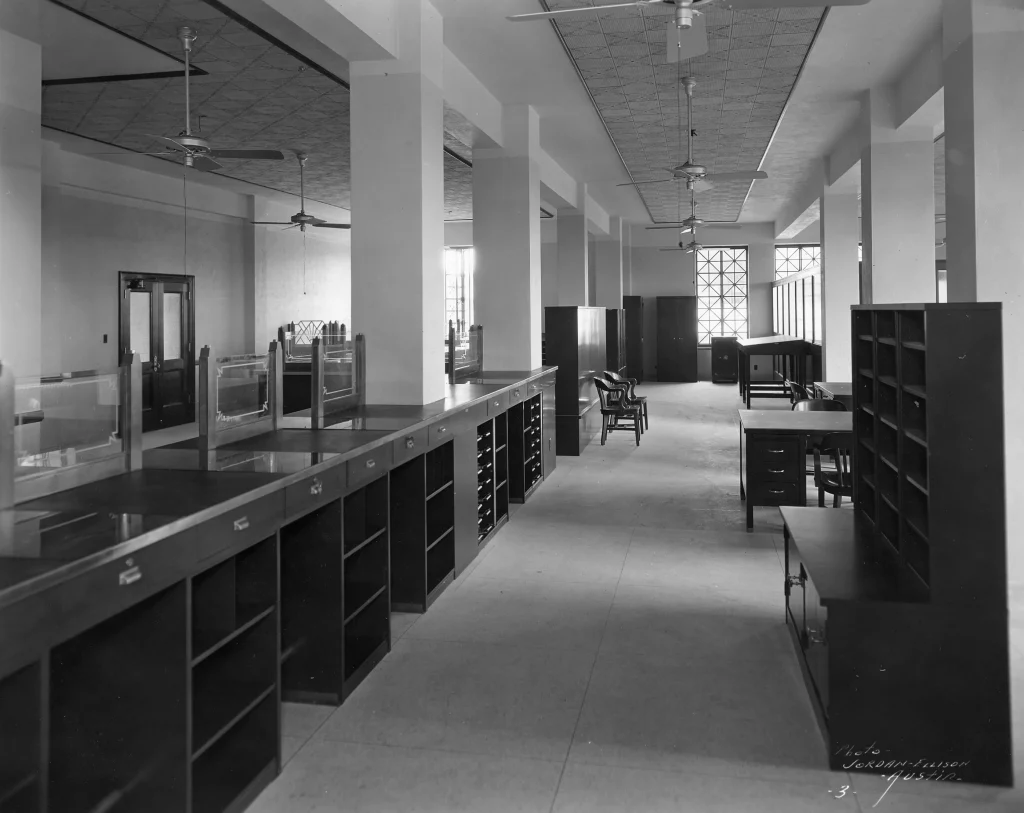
(241, 524)
(816, 637)
(777, 471)
(410, 443)
(371, 463)
(515, 394)
(442, 429)
(129, 576)
(795, 581)
(776, 451)
(317, 488)
(776, 491)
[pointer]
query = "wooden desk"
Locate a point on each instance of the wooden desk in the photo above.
(841, 391)
(776, 449)
(878, 657)
(794, 349)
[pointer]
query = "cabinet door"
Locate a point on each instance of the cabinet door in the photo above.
(634, 309)
(677, 338)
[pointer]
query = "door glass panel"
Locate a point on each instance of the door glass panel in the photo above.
(138, 312)
(172, 326)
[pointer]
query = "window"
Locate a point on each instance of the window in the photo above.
(721, 293)
(458, 287)
(798, 292)
(791, 260)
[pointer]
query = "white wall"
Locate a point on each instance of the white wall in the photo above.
(101, 217)
(299, 279)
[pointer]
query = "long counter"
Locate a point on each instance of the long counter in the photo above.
(152, 622)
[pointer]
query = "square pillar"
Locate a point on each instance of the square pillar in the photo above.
(627, 260)
(573, 254)
(898, 206)
(398, 213)
(21, 188)
(840, 281)
(506, 242)
(609, 266)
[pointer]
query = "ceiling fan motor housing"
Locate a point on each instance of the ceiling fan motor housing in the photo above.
(684, 17)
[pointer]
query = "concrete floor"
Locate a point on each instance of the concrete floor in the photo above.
(618, 646)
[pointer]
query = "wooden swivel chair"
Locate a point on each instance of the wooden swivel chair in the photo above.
(631, 396)
(614, 408)
(837, 481)
(819, 405)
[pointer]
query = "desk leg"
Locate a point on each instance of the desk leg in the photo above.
(748, 380)
(743, 493)
(785, 571)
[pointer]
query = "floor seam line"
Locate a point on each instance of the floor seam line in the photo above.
(590, 677)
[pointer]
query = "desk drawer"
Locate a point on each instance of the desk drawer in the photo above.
(496, 404)
(778, 452)
(240, 528)
(409, 446)
(442, 431)
(777, 493)
(517, 394)
(367, 467)
(786, 470)
(314, 491)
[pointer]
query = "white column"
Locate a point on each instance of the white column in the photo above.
(898, 206)
(506, 242)
(840, 281)
(627, 259)
(573, 249)
(21, 185)
(609, 266)
(398, 213)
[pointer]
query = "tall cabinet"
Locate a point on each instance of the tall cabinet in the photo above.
(576, 344)
(677, 338)
(615, 340)
(633, 308)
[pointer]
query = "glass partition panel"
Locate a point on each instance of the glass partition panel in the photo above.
(66, 420)
(139, 328)
(243, 390)
(467, 355)
(339, 371)
(798, 319)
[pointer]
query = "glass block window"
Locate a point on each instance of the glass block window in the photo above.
(458, 287)
(796, 259)
(721, 293)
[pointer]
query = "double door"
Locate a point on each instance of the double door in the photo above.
(677, 338)
(157, 323)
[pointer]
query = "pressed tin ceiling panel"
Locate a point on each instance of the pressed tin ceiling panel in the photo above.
(252, 94)
(743, 82)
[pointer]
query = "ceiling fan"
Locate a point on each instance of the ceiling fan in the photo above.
(697, 176)
(692, 222)
(690, 248)
(687, 33)
(196, 150)
(301, 219)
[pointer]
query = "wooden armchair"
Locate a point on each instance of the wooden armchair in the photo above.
(837, 481)
(614, 407)
(631, 396)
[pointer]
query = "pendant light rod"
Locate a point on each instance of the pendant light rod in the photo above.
(187, 36)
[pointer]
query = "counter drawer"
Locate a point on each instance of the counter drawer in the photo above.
(367, 467)
(496, 404)
(517, 394)
(778, 494)
(779, 452)
(442, 431)
(409, 446)
(785, 470)
(241, 527)
(314, 491)
(54, 615)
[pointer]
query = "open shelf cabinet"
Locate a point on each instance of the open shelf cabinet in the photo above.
(117, 724)
(928, 460)
(366, 582)
(234, 658)
(422, 529)
(525, 447)
(493, 480)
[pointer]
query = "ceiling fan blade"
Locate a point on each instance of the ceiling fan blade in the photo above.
(672, 226)
(735, 176)
(132, 152)
(332, 225)
(686, 43)
(168, 142)
(249, 155)
(638, 183)
(766, 4)
(551, 15)
(204, 164)
(672, 249)
(272, 223)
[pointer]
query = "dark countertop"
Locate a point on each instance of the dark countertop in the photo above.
(784, 421)
(763, 343)
(51, 539)
(841, 559)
